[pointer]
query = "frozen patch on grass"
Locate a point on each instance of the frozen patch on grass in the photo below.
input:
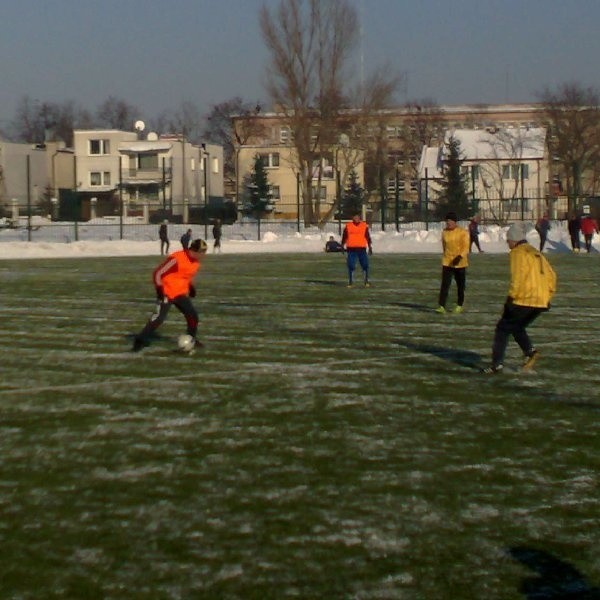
(132, 474)
(479, 512)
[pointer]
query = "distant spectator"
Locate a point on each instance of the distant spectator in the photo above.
(186, 238)
(574, 226)
(589, 226)
(543, 227)
(164, 238)
(474, 233)
(332, 245)
(217, 233)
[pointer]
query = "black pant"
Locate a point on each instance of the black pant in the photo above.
(513, 321)
(575, 240)
(542, 241)
(474, 239)
(185, 307)
(164, 246)
(460, 276)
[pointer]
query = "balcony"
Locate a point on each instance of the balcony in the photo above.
(135, 177)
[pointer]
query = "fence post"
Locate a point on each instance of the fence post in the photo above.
(120, 212)
(397, 200)
(298, 202)
(28, 198)
(426, 199)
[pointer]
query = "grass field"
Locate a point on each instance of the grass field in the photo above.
(327, 442)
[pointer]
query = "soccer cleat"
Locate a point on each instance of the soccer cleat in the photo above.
(440, 309)
(138, 344)
(492, 369)
(530, 360)
(349, 285)
(457, 309)
(367, 284)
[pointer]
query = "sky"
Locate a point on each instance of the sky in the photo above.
(156, 54)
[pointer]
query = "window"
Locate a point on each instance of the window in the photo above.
(515, 171)
(275, 192)
(98, 178)
(99, 146)
(323, 195)
(270, 161)
(414, 185)
(284, 135)
(147, 161)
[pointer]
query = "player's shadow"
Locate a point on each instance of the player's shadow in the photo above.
(325, 282)
(555, 579)
(464, 358)
(413, 306)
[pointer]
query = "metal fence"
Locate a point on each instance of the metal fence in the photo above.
(137, 223)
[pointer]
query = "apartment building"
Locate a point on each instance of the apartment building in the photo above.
(399, 134)
(165, 171)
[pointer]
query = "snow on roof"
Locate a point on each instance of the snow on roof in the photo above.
(430, 160)
(145, 146)
(500, 143)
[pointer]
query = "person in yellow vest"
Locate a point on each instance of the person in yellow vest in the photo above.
(356, 239)
(455, 245)
(532, 285)
(173, 282)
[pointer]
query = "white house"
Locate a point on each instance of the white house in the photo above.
(505, 169)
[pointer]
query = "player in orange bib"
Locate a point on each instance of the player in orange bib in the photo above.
(356, 239)
(173, 281)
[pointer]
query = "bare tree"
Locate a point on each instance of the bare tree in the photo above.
(573, 123)
(219, 129)
(310, 44)
(187, 120)
(502, 170)
(117, 114)
(36, 122)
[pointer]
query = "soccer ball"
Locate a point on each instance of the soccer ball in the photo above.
(186, 343)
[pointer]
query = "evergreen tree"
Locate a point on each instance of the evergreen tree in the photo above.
(353, 197)
(258, 197)
(453, 196)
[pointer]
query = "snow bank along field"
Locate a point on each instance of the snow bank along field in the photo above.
(101, 237)
(326, 443)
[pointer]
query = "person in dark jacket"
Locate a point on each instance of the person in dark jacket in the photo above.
(217, 234)
(474, 233)
(543, 227)
(574, 226)
(186, 238)
(332, 245)
(164, 238)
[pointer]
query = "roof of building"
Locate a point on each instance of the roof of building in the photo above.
(500, 143)
(511, 143)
